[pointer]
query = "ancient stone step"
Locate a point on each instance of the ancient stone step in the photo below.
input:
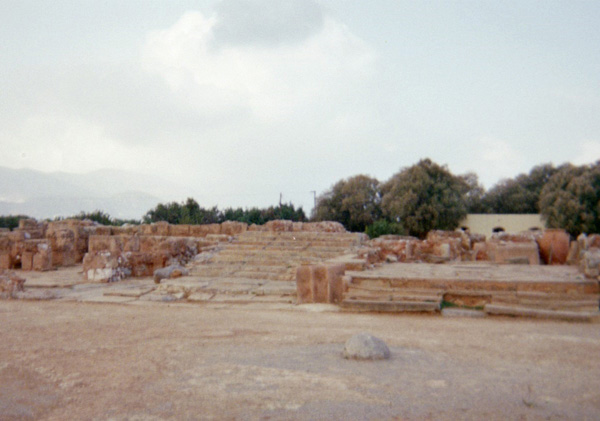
(581, 286)
(549, 304)
(391, 306)
(354, 294)
(503, 310)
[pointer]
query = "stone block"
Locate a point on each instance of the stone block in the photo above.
(6, 261)
(320, 284)
(335, 283)
(304, 284)
(98, 243)
(590, 263)
(99, 267)
(63, 258)
(131, 243)
(514, 252)
(233, 227)
(162, 228)
(279, 225)
(180, 230)
(28, 223)
(42, 261)
(27, 260)
(142, 264)
(148, 244)
(159, 260)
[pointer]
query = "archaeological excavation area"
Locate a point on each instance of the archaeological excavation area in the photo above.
(229, 321)
(529, 274)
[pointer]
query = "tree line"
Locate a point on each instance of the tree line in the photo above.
(415, 200)
(428, 196)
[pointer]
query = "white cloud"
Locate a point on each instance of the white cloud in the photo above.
(272, 82)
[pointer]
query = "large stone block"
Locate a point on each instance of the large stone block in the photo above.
(304, 288)
(27, 260)
(131, 243)
(28, 223)
(320, 284)
(335, 283)
(99, 267)
(180, 230)
(6, 260)
(42, 260)
(279, 226)
(64, 258)
(233, 227)
(99, 243)
(514, 252)
(149, 244)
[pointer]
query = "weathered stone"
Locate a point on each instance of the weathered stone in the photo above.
(304, 284)
(507, 252)
(233, 227)
(590, 263)
(10, 285)
(169, 272)
(364, 346)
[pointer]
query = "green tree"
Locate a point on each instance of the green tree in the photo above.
(423, 197)
(11, 221)
(520, 194)
(473, 193)
(571, 199)
(355, 202)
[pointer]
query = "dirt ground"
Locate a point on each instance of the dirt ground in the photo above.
(151, 361)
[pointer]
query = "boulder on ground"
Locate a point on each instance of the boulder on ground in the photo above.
(364, 346)
(169, 272)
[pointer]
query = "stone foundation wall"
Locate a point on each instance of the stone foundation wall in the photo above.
(530, 247)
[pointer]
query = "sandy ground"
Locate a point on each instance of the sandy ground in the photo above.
(71, 360)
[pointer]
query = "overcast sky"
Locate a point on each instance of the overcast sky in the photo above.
(239, 101)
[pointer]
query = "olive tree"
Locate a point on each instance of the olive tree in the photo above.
(571, 199)
(354, 202)
(423, 197)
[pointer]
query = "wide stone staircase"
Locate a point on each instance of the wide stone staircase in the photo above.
(274, 256)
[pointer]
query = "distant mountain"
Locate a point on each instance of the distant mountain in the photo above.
(121, 194)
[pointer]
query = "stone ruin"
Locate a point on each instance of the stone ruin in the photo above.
(530, 247)
(549, 247)
(111, 253)
(43, 246)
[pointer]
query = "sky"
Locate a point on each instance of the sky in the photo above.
(243, 102)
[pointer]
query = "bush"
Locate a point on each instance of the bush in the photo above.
(11, 221)
(383, 227)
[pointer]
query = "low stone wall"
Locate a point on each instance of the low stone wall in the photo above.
(530, 247)
(43, 245)
(438, 247)
(112, 258)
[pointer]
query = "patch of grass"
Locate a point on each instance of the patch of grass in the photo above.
(449, 304)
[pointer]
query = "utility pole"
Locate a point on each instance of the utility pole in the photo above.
(314, 192)
(280, 199)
